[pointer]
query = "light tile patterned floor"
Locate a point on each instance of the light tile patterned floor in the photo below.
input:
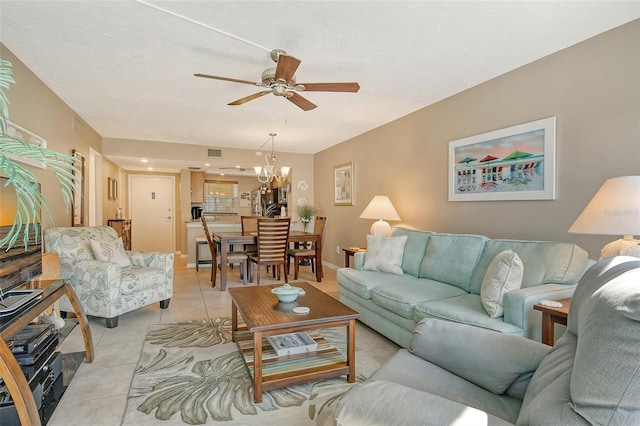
(98, 392)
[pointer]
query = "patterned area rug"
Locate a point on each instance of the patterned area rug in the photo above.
(192, 373)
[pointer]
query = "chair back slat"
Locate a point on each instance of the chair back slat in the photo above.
(273, 239)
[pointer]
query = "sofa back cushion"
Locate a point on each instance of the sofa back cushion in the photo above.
(414, 248)
(597, 361)
(452, 258)
(543, 261)
(73, 242)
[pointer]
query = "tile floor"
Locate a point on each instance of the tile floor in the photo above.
(98, 392)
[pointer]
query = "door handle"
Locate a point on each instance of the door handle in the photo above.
(168, 217)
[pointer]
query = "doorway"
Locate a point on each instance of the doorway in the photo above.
(151, 204)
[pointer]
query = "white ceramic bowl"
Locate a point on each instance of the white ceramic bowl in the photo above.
(287, 293)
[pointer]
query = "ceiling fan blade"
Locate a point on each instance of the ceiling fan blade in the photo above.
(286, 68)
(233, 80)
(330, 87)
(303, 103)
(250, 98)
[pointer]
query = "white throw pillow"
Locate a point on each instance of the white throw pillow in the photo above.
(384, 254)
(110, 251)
(503, 274)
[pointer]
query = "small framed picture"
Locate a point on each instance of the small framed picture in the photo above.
(344, 185)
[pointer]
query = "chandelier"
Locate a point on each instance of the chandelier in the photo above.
(270, 171)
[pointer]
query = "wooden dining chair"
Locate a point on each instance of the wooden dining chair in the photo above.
(272, 242)
(298, 253)
(232, 257)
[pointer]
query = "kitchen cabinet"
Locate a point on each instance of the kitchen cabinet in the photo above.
(197, 187)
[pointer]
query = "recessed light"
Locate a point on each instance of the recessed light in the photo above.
(149, 168)
(144, 160)
(207, 164)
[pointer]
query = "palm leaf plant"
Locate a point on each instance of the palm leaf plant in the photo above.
(31, 204)
(306, 213)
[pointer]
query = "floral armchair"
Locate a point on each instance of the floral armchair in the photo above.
(106, 289)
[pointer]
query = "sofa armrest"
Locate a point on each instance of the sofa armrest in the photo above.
(358, 260)
(518, 304)
(385, 403)
(491, 360)
(149, 259)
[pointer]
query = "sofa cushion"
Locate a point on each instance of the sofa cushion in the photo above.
(422, 375)
(460, 349)
(466, 309)
(452, 258)
(362, 282)
(544, 262)
(401, 296)
(414, 249)
(503, 275)
(384, 254)
(110, 251)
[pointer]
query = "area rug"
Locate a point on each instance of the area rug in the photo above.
(192, 373)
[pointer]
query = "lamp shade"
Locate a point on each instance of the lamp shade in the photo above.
(380, 208)
(614, 210)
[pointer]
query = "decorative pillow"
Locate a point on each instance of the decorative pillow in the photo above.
(110, 251)
(503, 274)
(384, 254)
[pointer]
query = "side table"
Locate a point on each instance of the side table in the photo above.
(551, 316)
(349, 252)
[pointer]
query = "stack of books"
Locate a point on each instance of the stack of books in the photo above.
(292, 343)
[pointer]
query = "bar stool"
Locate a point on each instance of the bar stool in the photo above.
(201, 241)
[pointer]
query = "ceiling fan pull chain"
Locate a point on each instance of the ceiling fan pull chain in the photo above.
(285, 112)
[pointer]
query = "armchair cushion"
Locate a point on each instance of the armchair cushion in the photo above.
(494, 361)
(135, 280)
(110, 251)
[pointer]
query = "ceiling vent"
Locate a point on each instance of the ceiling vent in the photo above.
(193, 168)
(214, 152)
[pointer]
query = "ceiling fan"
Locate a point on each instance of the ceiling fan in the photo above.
(281, 81)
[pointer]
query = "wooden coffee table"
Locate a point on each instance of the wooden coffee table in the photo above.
(551, 316)
(264, 316)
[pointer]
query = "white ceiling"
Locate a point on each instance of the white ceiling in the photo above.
(127, 68)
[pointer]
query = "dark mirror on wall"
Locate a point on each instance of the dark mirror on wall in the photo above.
(77, 217)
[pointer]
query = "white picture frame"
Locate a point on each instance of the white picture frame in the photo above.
(514, 163)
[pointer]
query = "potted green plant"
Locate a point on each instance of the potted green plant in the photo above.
(31, 203)
(306, 213)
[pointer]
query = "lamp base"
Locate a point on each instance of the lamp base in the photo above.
(380, 228)
(623, 246)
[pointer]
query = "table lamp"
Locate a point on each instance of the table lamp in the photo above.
(380, 208)
(614, 210)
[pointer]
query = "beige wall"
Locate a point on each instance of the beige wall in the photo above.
(36, 108)
(111, 170)
(593, 89)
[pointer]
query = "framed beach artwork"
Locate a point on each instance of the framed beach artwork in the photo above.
(343, 184)
(514, 163)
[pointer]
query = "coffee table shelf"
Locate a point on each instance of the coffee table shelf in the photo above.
(276, 370)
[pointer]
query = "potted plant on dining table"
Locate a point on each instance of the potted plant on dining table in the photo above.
(305, 213)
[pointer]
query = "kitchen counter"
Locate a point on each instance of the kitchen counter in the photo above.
(194, 230)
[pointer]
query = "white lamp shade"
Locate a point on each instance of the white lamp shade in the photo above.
(614, 210)
(380, 208)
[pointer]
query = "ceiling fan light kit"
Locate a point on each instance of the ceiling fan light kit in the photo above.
(281, 81)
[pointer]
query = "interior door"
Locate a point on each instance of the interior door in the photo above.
(151, 201)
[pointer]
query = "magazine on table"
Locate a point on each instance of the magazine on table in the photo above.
(292, 343)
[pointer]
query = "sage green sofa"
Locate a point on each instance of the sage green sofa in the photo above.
(107, 289)
(442, 278)
(459, 374)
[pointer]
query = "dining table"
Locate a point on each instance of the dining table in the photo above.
(226, 239)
